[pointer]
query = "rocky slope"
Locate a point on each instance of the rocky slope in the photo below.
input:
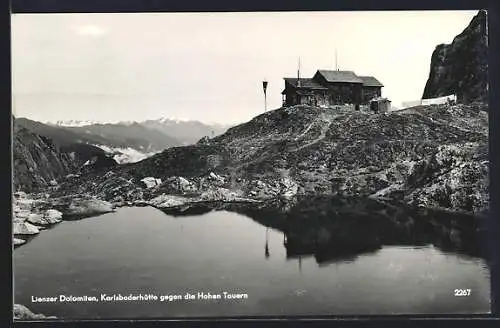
(37, 161)
(429, 156)
(461, 67)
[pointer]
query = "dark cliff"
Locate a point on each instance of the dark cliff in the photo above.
(37, 161)
(461, 67)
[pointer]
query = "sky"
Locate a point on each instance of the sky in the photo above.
(210, 66)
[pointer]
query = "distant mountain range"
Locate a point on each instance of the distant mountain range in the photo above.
(185, 132)
(188, 132)
(125, 141)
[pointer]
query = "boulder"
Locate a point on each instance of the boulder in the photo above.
(151, 182)
(215, 177)
(24, 228)
(35, 218)
(185, 185)
(183, 182)
(24, 204)
(21, 312)
(85, 207)
(49, 217)
(21, 214)
(53, 215)
(18, 241)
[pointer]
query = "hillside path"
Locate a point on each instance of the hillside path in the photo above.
(328, 123)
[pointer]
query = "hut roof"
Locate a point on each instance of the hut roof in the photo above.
(305, 83)
(370, 81)
(340, 76)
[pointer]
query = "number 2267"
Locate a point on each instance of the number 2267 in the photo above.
(462, 292)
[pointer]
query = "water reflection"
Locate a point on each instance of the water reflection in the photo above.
(266, 248)
(340, 229)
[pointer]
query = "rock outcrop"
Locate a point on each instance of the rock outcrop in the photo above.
(37, 161)
(461, 68)
(24, 228)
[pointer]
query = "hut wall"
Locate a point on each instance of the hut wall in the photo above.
(344, 93)
(291, 98)
(322, 99)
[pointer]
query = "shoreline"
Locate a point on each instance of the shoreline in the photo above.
(31, 222)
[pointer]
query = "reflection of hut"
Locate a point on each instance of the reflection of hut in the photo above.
(266, 248)
(380, 105)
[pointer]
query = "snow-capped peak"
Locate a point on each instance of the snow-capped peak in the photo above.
(74, 123)
(127, 123)
(173, 119)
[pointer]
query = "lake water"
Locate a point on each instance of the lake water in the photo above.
(286, 262)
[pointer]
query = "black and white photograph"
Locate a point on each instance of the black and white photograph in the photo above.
(249, 164)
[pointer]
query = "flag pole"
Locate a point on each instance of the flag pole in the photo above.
(264, 87)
